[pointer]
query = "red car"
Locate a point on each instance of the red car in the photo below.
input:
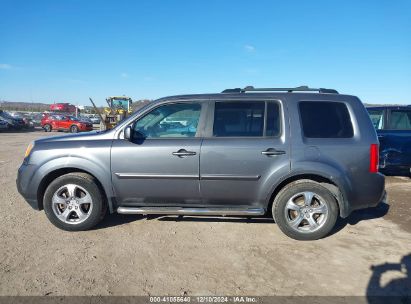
(65, 123)
(63, 107)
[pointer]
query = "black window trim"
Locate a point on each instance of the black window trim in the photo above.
(210, 126)
(326, 138)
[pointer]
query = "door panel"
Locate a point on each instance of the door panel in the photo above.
(244, 154)
(159, 166)
(236, 172)
(148, 174)
(54, 123)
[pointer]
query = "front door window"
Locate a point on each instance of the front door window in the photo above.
(170, 121)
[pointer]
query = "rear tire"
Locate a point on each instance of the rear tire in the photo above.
(305, 210)
(73, 129)
(47, 128)
(73, 202)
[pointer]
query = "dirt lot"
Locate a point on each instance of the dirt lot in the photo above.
(134, 255)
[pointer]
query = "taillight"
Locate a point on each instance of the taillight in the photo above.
(374, 158)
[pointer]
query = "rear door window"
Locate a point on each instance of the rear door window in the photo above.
(239, 119)
(325, 119)
(246, 119)
(400, 120)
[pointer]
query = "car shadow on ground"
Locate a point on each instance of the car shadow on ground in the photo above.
(361, 215)
(121, 219)
(220, 219)
(355, 217)
(24, 130)
(112, 220)
(397, 290)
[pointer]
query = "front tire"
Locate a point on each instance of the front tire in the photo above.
(73, 202)
(305, 210)
(47, 128)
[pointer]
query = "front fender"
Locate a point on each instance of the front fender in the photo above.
(79, 163)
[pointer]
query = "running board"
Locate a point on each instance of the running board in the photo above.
(190, 211)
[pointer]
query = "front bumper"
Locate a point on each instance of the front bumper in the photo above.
(25, 185)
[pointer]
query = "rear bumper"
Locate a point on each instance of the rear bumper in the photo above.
(397, 170)
(368, 194)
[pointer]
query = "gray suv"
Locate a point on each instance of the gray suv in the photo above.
(306, 155)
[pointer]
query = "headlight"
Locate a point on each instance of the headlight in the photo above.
(28, 150)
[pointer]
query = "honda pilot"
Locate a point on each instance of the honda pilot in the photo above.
(305, 156)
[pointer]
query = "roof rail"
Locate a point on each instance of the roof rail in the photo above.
(289, 90)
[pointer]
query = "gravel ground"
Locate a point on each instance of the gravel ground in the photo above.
(135, 255)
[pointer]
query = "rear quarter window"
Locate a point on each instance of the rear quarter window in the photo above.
(325, 119)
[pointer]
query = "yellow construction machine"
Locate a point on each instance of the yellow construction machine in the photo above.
(119, 107)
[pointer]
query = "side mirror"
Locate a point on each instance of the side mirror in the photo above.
(133, 135)
(127, 133)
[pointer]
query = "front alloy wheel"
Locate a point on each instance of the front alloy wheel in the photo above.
(74, 202)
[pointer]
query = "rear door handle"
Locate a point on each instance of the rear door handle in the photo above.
(183, 152)
(272, 152)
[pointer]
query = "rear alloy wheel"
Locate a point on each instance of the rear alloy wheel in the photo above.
(305, 210)
(47, 128)
(73, 129)
(73, 202)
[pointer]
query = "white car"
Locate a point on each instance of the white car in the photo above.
(95, 119)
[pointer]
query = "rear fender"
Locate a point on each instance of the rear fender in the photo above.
(304, 169)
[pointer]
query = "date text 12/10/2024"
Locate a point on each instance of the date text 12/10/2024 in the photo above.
(203, 299)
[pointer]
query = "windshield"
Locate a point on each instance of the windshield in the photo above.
(120, 104)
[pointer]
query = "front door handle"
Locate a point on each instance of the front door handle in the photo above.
(272, 152)
(183, 152)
